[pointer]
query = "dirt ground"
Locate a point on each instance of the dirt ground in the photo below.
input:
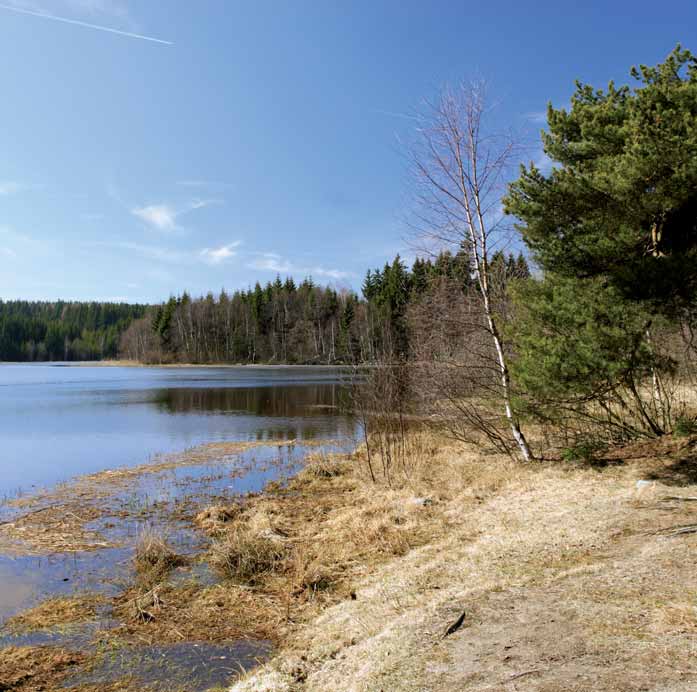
(564, 579)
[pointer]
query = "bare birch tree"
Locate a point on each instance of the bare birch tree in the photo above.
(461, 169)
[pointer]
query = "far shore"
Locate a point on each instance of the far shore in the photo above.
(138, 364)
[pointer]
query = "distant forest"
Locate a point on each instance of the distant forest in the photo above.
(285, 322)
(280, 322)
(66, 331)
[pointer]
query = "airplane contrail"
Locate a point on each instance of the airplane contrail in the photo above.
(77, 22)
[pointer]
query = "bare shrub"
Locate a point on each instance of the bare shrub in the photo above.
(384, 406)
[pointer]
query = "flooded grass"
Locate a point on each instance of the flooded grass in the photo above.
(104, 510)
(192, 666)
(35, 667)
(154, 558)
(57, 612)
(116, 582)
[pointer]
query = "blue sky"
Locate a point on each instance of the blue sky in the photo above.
(258, 137)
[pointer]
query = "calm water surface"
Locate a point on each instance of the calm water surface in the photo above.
(57, 422)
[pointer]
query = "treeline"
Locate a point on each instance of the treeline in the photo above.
(65, 331)
(285, 322)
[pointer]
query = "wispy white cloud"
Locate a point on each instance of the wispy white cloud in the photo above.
(18, 238)
(12, 187)
(200, 204)
(168, 255)
(163, 217)
(113, 8)
(151, 252)
(393, 114)
(15, 244)
(273, 262)
(220, 254)
(336, 274)
(118, 9)
(270, 262)
(35, 10)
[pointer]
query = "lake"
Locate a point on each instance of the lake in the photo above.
(58, 421)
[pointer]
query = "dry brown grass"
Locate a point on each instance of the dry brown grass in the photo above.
(154, 558)
(246, 555)
(301, 547)
(57, 612)
(563, 580)
(211, 519)
(323, 465)
(32, 667)
(562, 572)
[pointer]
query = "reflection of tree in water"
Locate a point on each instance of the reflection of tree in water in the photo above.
(284, 402)
(295, 432)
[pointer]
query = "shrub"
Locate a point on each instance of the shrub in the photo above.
(586, 451)
(684, 426)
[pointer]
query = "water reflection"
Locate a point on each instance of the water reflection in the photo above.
(56, 423)
(286, 401)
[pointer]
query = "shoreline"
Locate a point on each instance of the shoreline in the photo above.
(423, 582)
(137, 364)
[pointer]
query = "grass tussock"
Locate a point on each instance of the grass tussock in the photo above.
(322, 465)
(246, 555)
(154, 558)
(212, 519)
(304, 545)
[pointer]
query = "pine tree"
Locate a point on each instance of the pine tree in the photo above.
(613, 227)
(621, 200)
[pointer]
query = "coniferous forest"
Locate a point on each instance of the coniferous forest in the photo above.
(65, 331)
